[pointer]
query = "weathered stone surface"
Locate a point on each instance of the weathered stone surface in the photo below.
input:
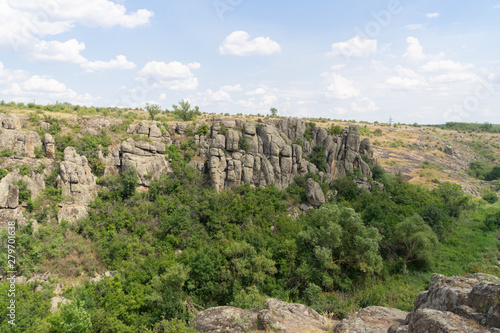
(232, 140)
(72, 213)
(430, 320)
(95, 124)
(49, 144)
(22, 143)
(225, 319)
(457, 304)
(56, 302)
(314, 193)
(146, 158)
(10, 121)
(277, 317)
(373, 319)
(180, 128)
(76, 179)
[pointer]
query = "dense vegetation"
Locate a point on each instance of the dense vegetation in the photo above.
(182, 247)
(471, 127)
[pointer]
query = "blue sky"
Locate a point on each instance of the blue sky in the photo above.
(419, 61)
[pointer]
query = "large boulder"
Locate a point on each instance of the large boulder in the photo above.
(76, 179)
(278, 316)
(23, 144)
(147, 158)
(314, 193)
(373, 319)
(456, 304)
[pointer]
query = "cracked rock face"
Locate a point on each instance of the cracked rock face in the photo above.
(456, 304)
(147, 158)
(270, 152)
(76, 179)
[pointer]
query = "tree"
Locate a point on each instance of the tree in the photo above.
(416, 241)
(274, 112)
(153, 110)
(129, 180)
(338, 247)
(184, 111)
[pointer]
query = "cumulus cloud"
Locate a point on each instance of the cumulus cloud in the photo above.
(355, 47)
(236, 87)
(174, 75)
(120, 62)
(414, 51)
(21, 86)
(55, 51)
(432, 15)
(239, 43)
(445, 65)
(339, 87)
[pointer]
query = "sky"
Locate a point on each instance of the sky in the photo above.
(424, 61)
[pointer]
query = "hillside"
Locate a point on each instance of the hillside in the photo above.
(124, 224)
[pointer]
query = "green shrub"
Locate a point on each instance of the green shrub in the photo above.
(490, 197)
(24, 192)
(24, 170)
(243, 143)
(335, 130)
(6, 152)
(318, 157)
(39, 152)
(202, 129)
(3, 173)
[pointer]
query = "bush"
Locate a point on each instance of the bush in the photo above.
(318, 157)
(3, 173)
(490, 197)
(202, 129)
(335, 130)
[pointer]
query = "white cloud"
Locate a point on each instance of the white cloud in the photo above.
(368, 106)
(355, 47)
(55, 51)
(338, 67)
(454, 77)
(20, 86)
(163, 96)
(414, 50)
(445, 65)
(43, 85)
(339, 87)
(432, 15)
(174, 75)
(406, 83)
(258, 91)
(239, 43)
(236, 87)
(218, 96)
(120, 62)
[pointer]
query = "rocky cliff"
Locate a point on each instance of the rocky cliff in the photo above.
(456, 304)
(231, 152)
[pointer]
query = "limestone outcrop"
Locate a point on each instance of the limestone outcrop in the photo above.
(76, 179)
(278, 316)
(456, 304)
(22, 144)
(147, 158)
(373, 319)
(276, 151)
(314, 193)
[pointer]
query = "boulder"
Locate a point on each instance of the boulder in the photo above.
(225, 319)
(314, 193)
(22, 143)
(373, 319)
(49, 144)
(76, 179)
(72, 213)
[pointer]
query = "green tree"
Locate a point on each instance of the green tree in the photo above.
(318, 157)
(416, 241)
(184, 111)
(128, 180)
(274, 112)
(153, 110)
(338, 248)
